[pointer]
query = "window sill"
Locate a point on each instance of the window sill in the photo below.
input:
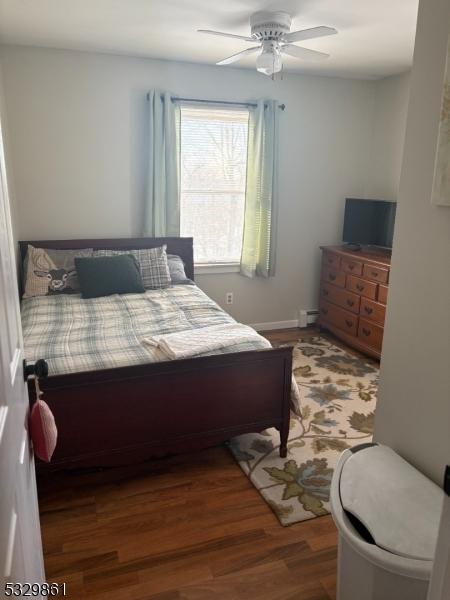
(213, 269)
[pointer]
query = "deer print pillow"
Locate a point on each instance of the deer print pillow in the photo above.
(48, 272)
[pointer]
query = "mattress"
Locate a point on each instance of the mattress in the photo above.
(75, 335)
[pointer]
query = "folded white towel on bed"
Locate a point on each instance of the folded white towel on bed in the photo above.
(192, 342)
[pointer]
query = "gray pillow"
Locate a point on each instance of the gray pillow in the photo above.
(176, 269)
(152, 264)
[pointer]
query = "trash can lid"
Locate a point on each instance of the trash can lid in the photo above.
(397, 504)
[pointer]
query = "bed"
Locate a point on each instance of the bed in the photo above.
(121, 403)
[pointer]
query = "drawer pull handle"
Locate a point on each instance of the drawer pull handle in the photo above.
(351, 266)
(325, 292)
(368, 310)
(374, 274)
(331, 276)
(359, 287)
(365, 331)
(324, 311)
(350, 302)
(348, 322)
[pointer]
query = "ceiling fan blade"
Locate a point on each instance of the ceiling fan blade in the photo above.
(238, 56)
(305, 53)
(308, 34)
(230, 35)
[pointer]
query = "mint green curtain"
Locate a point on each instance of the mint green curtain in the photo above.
(162, 203)
(260, 220)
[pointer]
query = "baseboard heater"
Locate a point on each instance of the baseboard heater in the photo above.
(307, 317)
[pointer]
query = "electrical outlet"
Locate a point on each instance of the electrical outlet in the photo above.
(229, 297)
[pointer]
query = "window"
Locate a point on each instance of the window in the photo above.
(213, 146)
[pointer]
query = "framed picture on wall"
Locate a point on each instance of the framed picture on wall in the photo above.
(441, 181)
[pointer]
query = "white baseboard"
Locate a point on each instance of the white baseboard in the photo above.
(311, 319)
(274, 325)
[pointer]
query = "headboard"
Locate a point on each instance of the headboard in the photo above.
(183, 246)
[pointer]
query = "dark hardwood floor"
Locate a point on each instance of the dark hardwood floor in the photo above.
(188, 527)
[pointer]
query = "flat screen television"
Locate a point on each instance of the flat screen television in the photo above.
(369, 222)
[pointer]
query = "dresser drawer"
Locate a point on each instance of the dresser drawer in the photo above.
(333, 276)
(331, 260)
(339, 317)
(382, 293)
(373, 310)
(370, 334)
(375, 273)
(352, 266)
(361, 286)
(341, 297)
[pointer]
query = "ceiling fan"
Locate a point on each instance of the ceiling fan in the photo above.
(272, 32)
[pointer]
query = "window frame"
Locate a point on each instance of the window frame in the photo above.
(202, 268)
(216, 268)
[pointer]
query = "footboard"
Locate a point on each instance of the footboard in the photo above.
(119, 416)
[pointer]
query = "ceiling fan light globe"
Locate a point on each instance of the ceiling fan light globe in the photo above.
(269, 62)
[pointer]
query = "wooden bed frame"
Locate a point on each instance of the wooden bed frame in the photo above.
(118, 416)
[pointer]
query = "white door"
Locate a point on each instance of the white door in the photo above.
(21, 558)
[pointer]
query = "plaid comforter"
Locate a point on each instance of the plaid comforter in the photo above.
(76, 335)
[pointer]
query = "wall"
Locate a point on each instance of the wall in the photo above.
(413, 414)
(389, 123)
(78, 148)
(9, 166)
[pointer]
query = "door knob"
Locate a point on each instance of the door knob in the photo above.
(38, 369)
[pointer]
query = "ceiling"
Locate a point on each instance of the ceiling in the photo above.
(376, 37)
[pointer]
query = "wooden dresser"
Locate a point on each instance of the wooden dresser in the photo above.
(353, 296)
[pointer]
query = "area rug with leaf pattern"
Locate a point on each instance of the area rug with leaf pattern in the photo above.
(338, 397)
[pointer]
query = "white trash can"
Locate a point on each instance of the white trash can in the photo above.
(387, 514)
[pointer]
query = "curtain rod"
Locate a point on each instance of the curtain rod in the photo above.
(227, 102)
